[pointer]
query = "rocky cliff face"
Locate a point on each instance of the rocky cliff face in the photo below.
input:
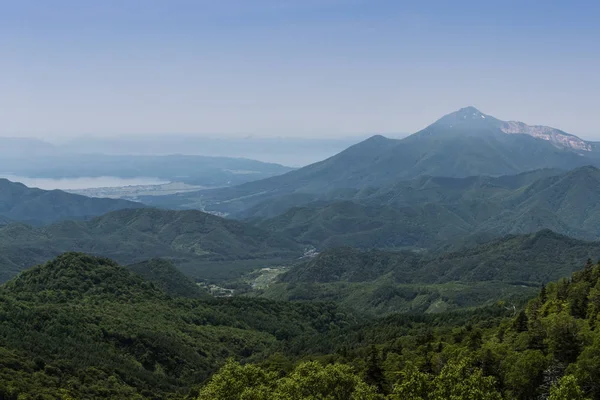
(555, 136)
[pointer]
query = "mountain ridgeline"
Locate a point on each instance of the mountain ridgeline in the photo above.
(36, 206)
(195, 241)
(377, 282)
(438, 212)
(429, 268)
(461, 144)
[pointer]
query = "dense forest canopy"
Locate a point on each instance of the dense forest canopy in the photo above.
(85, 327)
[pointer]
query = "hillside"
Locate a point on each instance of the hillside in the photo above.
(203, 245)
(536, 258)
(464, 143)
(434, 212)
(85, 327)
(165, 275)
(36, 206)
(382, 282)
(544, 349)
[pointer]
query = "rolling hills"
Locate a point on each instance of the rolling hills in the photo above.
(461, 144)
(21, 203)
(380, 282)
(433, 212)
(85, 327)
(203, 245)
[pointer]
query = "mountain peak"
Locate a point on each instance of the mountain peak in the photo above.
(75, 275)
(467, 113)
(466, 121)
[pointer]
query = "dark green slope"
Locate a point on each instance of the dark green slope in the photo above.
(381, 282)
(200, 243)
(165, 275)
(367, 226)
(461, 144)
(85, 327)
(433, 212)
(20, 203)
(539, 257)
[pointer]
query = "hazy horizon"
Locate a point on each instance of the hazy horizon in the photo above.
(288, 68)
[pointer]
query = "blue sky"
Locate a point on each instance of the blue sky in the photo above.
(306, 68)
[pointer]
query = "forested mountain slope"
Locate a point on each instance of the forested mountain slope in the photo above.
(435, 211)
(190, 238)
(85, 327)
(37, 206)
(377, 282)
(548, 349)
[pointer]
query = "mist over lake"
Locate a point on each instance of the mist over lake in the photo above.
(82, 182)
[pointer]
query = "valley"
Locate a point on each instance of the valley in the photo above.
(382, 270)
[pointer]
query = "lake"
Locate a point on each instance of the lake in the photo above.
(82, 182)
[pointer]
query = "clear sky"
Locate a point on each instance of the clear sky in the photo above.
(293, 67)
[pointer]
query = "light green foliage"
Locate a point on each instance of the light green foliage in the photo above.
(413, 384)
(567, 389)
(235, 381)
(308, 381)
(459, 381)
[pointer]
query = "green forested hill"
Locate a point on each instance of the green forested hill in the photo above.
(430, 212)
(36, 206)
(165, 275)
(548, 349)
(539, 257)
(192, 239)
(381, 282)
(85, 327)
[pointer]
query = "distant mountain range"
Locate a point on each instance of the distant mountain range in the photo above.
(464, 143)
(197, 242)
(36, 206)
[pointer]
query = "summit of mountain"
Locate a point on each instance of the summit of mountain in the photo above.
(464, 143)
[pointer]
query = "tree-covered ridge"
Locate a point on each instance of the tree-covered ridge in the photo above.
(189, 238)
(547, 350)
(85, 327)
(540, 257)
(378, 282)
(36, 206)
(430, 212)
(165, 275)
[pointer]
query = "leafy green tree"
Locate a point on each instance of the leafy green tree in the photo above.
(308, 381)
(563, 339)
(235, 381)
(587, 368)
(460, 381)
(567, 389)
(413, 384)
(523, 373)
